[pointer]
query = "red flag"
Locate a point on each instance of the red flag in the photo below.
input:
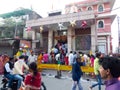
(84, 23)
(28, 28)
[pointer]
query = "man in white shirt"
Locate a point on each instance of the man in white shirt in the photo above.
(57, 57)
(8, 73)
(70, 58)
(32, 58)
(20, 65)
(18, 69)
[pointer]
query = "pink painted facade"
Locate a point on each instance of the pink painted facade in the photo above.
(102, 10)
(95, 35)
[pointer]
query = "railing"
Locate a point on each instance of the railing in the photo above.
(64, 67)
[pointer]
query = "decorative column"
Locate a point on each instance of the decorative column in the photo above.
(41, 40)
(73, 39)
(55, 34)
(69, 38)
(108, 44)
(50, 40)
(93, 39)
(33, 39)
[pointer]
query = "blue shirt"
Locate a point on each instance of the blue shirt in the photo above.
(113, 84)
(76, 71)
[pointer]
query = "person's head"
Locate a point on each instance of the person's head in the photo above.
(109, 67)
(78, 59)
(75, 53)
(98, 54)
(32, 53)
(33, 68)
(71, 52)
(22, 57)
(20, 49)
(11, 59)
(92, 56)
(5, 58)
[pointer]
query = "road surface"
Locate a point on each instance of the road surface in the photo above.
(64, 83)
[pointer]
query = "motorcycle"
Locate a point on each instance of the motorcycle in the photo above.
(14, 84)
(5, 82)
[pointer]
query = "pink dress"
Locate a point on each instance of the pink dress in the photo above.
(92, 61)
(33, 81)
(45, 58)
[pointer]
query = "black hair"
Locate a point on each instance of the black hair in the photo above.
(93, 56)
(33, 67)
(111, 63)
(98, 54)
(11, 59)
(78, 58)
(21, 57)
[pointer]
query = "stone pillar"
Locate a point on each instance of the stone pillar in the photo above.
(50, 40)
(93, 40)
(73, 39)
(108, 44)
(69, 38)
(41, 40)
(56, 34)
(33, 39)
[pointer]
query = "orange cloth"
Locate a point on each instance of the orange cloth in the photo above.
(40, 58)
(1, 65)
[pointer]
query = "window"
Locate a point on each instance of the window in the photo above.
(100, 24)
(89, 8)
(100, 8)
(73, 9)
(79, 10)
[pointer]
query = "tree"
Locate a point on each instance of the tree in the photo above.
(16, 13)
(8, 27)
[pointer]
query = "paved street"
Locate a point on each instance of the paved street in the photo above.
(65, 83)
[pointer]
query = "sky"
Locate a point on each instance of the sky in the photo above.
(42, 7)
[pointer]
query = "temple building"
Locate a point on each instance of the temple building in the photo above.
(85, 27)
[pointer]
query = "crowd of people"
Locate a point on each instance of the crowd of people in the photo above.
(106, 67)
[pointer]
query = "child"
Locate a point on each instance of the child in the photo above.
(33, 80)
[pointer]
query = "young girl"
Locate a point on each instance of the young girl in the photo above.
(33, 80)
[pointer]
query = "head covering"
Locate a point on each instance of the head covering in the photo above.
(20, 48)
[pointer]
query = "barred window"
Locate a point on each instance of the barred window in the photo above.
(100, 24)
(100, 8)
